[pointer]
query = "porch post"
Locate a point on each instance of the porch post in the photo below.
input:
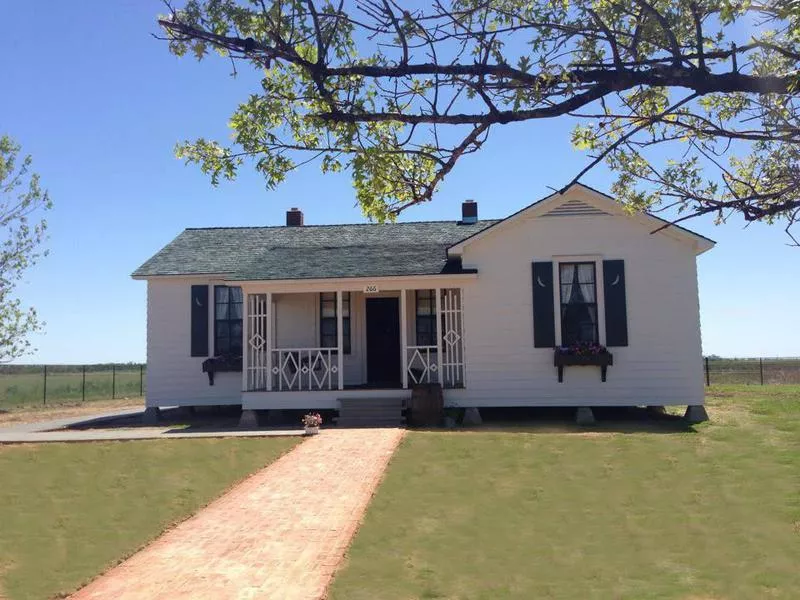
(268, 344)
(404, 337)
(340, 339)
(437, 316)
(245, 339)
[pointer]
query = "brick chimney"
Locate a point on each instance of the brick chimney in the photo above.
(469, 211)
(294, 217)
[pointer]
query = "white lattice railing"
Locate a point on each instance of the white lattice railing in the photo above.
(258, 333)
(423, 362)
(453, 338)
(423, 366)
(295, 369)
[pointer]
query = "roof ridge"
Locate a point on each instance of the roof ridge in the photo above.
(321, 225)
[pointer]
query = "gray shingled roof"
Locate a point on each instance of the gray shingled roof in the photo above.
(312, 251)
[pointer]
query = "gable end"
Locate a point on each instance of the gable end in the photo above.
(577, 207)
(574, 208)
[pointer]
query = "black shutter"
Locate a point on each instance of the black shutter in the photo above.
(616, 309)
(544, 325)
(199, 320)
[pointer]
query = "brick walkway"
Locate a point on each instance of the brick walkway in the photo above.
(279, 534)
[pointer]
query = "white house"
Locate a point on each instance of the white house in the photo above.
(306, 316)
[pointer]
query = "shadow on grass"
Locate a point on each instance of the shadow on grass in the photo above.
(558, 420)
(180, 419)
(561, 420)
(200, 419)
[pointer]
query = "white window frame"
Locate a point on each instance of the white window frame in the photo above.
(597, 259)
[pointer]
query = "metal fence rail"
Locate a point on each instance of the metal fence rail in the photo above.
(757, 371)
(25, 385)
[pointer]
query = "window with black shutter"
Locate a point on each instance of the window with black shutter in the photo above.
(578, 303)
(544, 328)
(228, 305)
(328, 334)
(616, 306)
(199, 323)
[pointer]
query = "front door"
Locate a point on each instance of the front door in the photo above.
(383, 342)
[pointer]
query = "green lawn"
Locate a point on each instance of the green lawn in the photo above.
(709, 512)
(69, 511)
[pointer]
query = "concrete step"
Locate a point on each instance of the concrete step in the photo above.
(370, 402)
(370, 422)
(371, 409)
(365, 412)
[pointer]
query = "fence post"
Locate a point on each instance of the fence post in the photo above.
(44, 392)
(83, 385)
(141, 380)
(761, 369)
(708, 375)
(113, 381)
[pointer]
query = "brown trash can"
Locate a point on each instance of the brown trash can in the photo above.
(426, 408)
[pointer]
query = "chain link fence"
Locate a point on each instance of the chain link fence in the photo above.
(756, 371)
(26, 385)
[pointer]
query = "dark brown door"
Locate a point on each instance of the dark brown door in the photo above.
(383, 342)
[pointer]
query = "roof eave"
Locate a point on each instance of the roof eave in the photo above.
(466, 274)
(148, 276)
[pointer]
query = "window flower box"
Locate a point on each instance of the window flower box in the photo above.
(221, 364)
(582, 355)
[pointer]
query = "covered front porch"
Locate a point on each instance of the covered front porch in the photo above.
(310, 345)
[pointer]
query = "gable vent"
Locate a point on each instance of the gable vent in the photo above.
(574, 208)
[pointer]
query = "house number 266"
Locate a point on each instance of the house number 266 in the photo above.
(370, 289)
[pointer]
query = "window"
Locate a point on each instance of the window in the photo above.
(227, 320)
(426, 317)
(327, 321)
(578, 303)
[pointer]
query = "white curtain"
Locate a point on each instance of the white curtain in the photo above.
(578, 294)
(566, 277)
(586, 280)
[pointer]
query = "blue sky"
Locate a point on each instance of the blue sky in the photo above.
(100, 104)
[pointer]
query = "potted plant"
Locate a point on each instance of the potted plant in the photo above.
(582, 354)
(311, 423)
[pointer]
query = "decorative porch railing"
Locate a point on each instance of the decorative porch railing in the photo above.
(444, 362)
(257, 331)
(452, 340)
(423, 364)
(295, 369)
(267, 368)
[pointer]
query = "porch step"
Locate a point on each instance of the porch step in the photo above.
(370, 422)
(366, 412)
(371, 402)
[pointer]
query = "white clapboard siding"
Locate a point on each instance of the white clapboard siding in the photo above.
(662, 363)
(173, 376)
